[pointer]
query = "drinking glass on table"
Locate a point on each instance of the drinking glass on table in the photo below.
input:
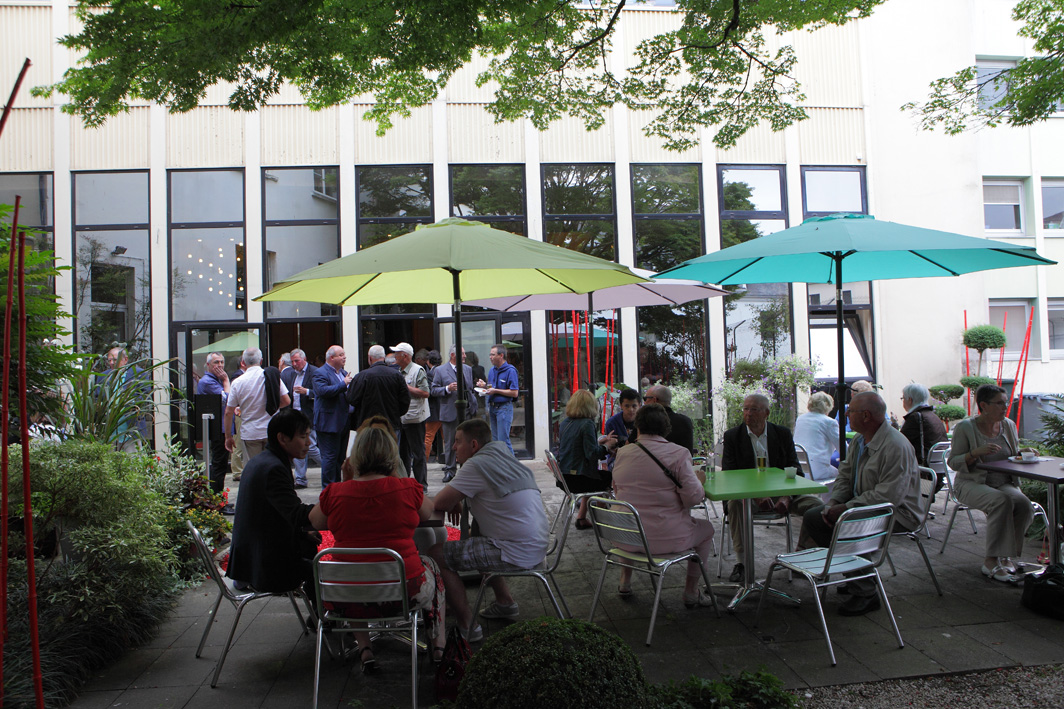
(761, 455)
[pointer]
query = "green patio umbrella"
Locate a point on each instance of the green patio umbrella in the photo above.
(450, 261)
(815, 251)
(237, 342)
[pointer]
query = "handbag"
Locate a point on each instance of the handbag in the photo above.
(456, 654)
(1044, 593)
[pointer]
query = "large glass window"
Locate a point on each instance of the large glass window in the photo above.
(1053, 205)
(112, 284)
(37, 207)
(993, 82)
(1003, 207)
(668, 213)
(494, 194)
(830, 190)
(757, 316)
(1056, 326)
(302, 231)
(207, 259)
(1012, 316)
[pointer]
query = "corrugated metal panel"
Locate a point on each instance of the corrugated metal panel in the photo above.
(568, 141)
(121, 142)
(295, 135)
(638, 25)
(473, 136)
(462, 88)
(27, 143)
(218, 94)
(832, 136)
(409, 140)
(26, 32)
(205, 137)
(829, 65)
(759, 145)
(644, 149)
(288, 94)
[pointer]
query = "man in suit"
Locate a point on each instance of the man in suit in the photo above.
(273, 542)
(755, 435)
(299, 378)
(215, 382)
(380, 389)
(445, 387)
(683, 430)
(331, 412)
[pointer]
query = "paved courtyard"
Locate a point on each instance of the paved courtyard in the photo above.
(976, 625)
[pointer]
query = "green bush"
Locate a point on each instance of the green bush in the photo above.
(984, 337)
(749, 371)
(974, 382)
(555, 663)
(750, 690)
(947, 392)
(949, 412)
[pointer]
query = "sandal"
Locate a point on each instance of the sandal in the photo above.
(369, 664)
(1000, 573)
(437, 656)
(582, 523)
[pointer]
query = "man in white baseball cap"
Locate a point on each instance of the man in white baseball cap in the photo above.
(412, 439)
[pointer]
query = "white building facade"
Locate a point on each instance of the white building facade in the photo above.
(173, 223)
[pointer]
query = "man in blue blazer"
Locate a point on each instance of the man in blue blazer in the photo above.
(331, 412)
(299, 378)
(445, 388)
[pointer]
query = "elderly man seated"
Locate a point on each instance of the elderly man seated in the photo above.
(505, 502)
(880, 466)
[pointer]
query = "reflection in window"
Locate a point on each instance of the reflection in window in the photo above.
(668, 231)
(1003, 206)
(35, 189)
(112, 274)
(993, 82)
(207, 196)
(300, 194)
(1056, 324)
(831, 190)
(757, 316)
(1052, 205)
(1012, 316)
(490, 193)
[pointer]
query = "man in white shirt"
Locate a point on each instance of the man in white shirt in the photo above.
(299, 378)
(412, 438)
(258, 397)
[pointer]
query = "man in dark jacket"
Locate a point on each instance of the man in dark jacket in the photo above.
(683, 430)
(378, 389)
(273, 543)
(299, 378)
(742, 445)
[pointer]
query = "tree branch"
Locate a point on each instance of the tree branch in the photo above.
(600, 36)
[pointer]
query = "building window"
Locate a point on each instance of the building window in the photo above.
(1053, 204)
(1003, 206)
(757, 316)
(112, 262)
(1012, 315)
(1056, 325)
(669, 228)
(207, 259)
(494, 194)
(302, 231)
(993, 82)
(831, 190)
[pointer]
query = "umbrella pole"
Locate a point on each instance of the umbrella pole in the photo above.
(460, 401)
(840, 386)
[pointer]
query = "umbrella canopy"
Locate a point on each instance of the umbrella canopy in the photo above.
(237, 342)
(451, 261)
(817, 250)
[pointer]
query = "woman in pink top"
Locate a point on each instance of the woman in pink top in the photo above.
(376, 506)
(663, 491)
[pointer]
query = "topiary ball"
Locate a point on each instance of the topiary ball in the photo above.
(984, 337)
(553, 663)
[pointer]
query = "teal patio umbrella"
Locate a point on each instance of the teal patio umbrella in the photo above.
(816, 251)
(451, 261)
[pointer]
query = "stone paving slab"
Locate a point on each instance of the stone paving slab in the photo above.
(976, 625)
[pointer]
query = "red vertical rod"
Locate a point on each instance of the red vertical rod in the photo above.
(1001, 355)
(1019, 364)
(1023, 377)
(589, 348)
(967, 369)
(24, 429)
(574, 343)
(4, 404)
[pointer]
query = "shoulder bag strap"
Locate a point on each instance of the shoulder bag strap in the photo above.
(668, 473)
(922, 460)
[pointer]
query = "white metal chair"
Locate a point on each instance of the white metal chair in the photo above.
(928, 479)
(858, 544)
(239, 599)
(936, 460)
(617, 524)
(554, 557)
(958, 506)
(572, 500)
(765, 519)
(339, 583)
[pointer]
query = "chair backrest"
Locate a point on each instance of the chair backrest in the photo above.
(556, 469)
(616, 523)
(204, 553)
(937, 457)
(928, 480)
(803, 459)
(353, 581)
(863, 531)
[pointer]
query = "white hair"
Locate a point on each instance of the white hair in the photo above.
(252, 357)
(376, 352)
(917, 392)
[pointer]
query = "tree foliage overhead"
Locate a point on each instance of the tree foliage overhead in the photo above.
(548, 57)
(1028, 92)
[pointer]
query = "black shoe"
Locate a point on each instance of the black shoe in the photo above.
(736, 574)
(301, 486)
(859, 605)
(229, 510)
(844, 588)
(448, 477)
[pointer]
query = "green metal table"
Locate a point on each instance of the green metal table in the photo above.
(745, 485)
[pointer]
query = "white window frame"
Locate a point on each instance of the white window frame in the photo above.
(1013, 349)
(1022, 199)
(993, 65)
(1058, 184)
(1054, 305)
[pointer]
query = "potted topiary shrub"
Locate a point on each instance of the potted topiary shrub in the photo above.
(946, 392)
(547, 662)
(949, 412)
(982, 338)
(974, 382)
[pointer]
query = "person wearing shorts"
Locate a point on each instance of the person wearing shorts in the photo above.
(506, 505)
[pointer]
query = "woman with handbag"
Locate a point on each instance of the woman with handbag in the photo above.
(580, 448)
(658, 479)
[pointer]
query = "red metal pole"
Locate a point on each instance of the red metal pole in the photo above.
(967, 369)
(4, 431)
(7, 112)
(1023, 377)
(574, 342)
(589, 347)
(1001, 355)
(1019, 363)
(24, 426)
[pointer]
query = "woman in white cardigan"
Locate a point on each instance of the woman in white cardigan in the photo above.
(990, 436)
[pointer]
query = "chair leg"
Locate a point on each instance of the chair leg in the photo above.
(598, 590)
(709, 587)
(971, 520)
(886, 604)
(764, 592)
(303, 630)
(413, 659)
(724, 538)
(949, 527)
(657, 601)
(893, 571)
(557, 516)
(553, 600)
(228, 643)
(920, 544)
(317, 662)
(480, 597)
(211, 617)
(561, 596)
(823, 619)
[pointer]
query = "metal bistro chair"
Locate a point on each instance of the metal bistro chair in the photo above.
(550, 565)
(803, 460)
(617, 523)
(858, 544)
(571, 499)
(765, 519)
(364, 582)
(958, 506)
(936, 460)
(237, 598)
(927, 496)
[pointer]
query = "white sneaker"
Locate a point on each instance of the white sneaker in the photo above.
(474, 636)
(498, 610)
